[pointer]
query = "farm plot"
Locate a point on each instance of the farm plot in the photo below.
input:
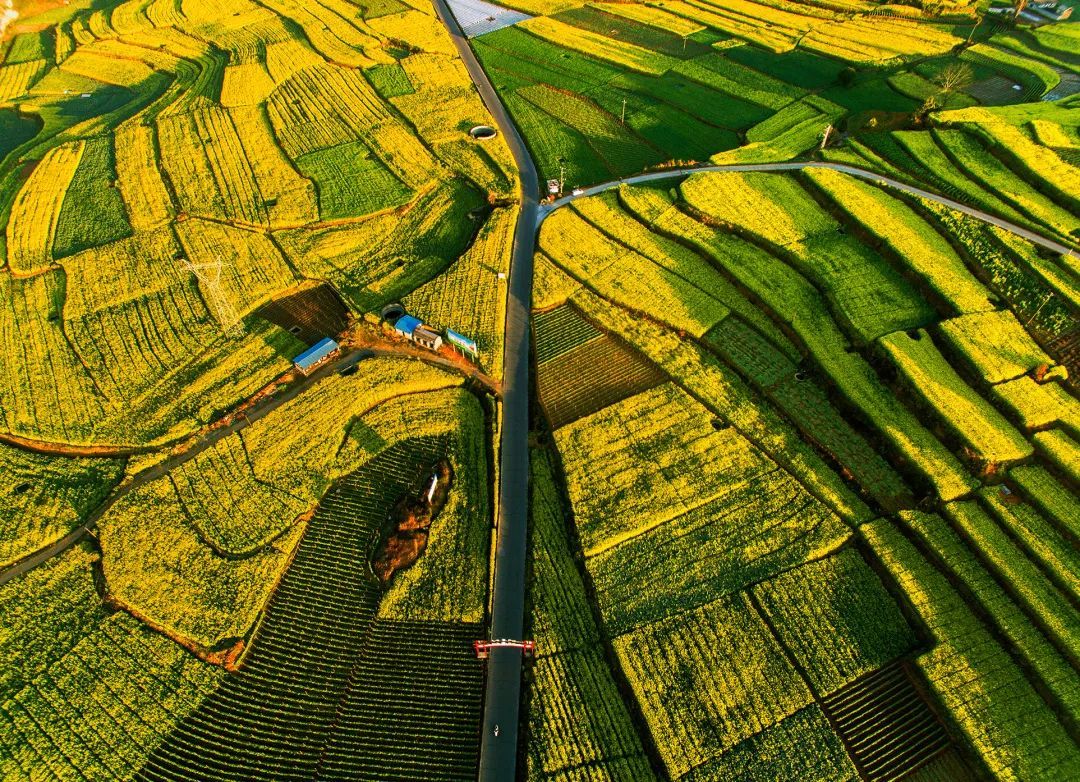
(994, 344)
(384, 257)
(836, 618)
(412, 705)
(867, 39)
(576, 714)
(665, 429)
(613, 113)
(301, 670)
(727, 396)
(46, 393)
(794, 300)
(43, 497)
(1037, 537)
(192, 593)
(320, 107)
(1038, 164)
(708, 679)
(802, 746)
(998, 178)
(614, 372)
(233, 512)
(887, 725)
(469, 296)
(1031, 286)
(1053, 499)
(1005, 612)
(1061, 450)
(988, 695)
(868, 295)
(93, 211)
(1039, 405)
(675, 291)
(35, 213)
(708, 491)
(310, 314)
(93, 693)
(752, 529)
(914, 240)
(351, 181)
(985, 431)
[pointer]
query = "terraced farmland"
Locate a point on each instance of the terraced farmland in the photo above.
(795, 473)
(314, 687)
(823, 380)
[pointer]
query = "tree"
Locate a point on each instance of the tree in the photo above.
(953, 79)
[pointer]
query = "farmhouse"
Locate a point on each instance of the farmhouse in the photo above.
(412, 328)
(315, 356)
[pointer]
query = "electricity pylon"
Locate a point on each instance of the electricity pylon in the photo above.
(209, 276)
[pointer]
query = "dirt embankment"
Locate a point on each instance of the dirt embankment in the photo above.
(405, 534)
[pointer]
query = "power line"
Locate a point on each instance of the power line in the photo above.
(209, 277)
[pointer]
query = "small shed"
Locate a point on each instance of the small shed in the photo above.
(315, 356)
(427, 338)
(406, 325)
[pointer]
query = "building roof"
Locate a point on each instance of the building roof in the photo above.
(407, 324)
(426, 333)
(316, 353)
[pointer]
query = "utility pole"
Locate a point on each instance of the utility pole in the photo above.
(825, 136)
(209, 277)
(562, 176)
(624, 111)
(1035, 314)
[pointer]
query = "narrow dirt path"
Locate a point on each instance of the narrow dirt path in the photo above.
(207, 438)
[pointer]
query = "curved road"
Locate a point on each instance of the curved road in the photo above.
(861, 173)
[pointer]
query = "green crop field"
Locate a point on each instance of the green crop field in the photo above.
(766, 300)
(741, 441)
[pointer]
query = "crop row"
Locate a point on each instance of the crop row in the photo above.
(279, 711)
(43, 497)
(989, 696)
(887, 725)
(1005, 612)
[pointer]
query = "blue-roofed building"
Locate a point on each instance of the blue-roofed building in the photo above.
(412, 328)
(315, 356)
(406, 325)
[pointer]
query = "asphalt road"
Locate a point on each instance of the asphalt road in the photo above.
(502, 699)
(1031, 236)
(498, 754)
